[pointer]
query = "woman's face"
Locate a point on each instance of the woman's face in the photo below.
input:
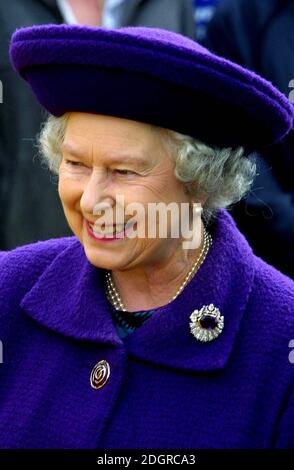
(104, 157)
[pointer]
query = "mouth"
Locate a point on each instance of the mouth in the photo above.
(106, 232)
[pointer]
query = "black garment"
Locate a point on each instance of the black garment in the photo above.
(29, 201)
(30, 207)
(174, 15)
(259, 34)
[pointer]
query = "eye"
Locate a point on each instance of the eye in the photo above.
(124, 172)
(73, 163)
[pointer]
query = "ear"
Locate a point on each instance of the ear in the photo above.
(200, 202)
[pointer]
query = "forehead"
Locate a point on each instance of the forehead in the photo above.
(108, 128)
(117, 138)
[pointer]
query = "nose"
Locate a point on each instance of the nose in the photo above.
(96, 196)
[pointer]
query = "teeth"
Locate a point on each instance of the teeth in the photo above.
(107, 230)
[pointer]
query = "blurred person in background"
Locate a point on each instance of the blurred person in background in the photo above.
(204, 11)
(259, 35)
(29, 202)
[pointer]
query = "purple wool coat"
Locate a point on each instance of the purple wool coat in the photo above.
(165, 388)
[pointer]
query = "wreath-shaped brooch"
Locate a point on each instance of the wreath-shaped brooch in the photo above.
(206, 323)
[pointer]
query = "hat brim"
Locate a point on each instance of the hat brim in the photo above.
(152, 76)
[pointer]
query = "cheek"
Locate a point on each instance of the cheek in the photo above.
(70, 191)
(165, 188)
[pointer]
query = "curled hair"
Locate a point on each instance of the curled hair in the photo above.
(221, 175)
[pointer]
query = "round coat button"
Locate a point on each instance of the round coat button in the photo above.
(100, 374)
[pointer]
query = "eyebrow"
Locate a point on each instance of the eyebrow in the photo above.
(116, 158)
(74, 151)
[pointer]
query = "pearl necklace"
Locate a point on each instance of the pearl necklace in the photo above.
(115, 299)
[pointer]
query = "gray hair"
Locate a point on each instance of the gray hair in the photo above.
(222, 175)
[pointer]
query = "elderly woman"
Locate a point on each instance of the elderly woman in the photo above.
(118, 338)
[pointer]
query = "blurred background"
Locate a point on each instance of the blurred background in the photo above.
(257, 34)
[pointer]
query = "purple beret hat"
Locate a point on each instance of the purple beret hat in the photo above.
(153, 76)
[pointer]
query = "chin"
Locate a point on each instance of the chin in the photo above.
(101, 259)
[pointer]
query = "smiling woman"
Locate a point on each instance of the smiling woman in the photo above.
(90, 163)
(104, 328)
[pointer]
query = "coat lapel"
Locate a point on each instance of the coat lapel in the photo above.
(70, 298)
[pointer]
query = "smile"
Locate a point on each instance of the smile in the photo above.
(106, 233)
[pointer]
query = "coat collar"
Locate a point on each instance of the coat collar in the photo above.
(69, 298)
